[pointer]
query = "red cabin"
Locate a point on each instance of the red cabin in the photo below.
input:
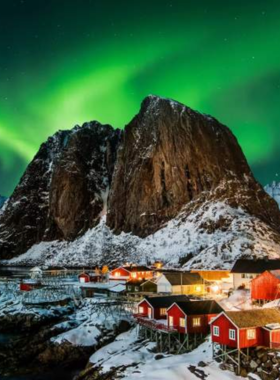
(27, 285)
(191, 317)
(132, 272)
(84, 277)
(247, 328)
(266, 286)
(156, 307)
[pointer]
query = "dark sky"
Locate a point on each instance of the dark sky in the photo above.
(66, 62)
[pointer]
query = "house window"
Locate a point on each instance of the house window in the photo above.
(251, 334)
(231, 334)
(134, 274)
(136, 289)
(171, 320)
(129, 287)
(196, 322)
(182, 322)
(149, 312)
(216, 330)
(162, 311)
(141, 310)
(117, 274)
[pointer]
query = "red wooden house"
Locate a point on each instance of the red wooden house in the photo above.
(156, 307)
(266, 286)
(191, 317)
(131, 272)
(247, 328)
(89, 277)
(27, 285)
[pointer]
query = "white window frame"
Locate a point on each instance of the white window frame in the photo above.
(249, 335)
(182, 322)
(231, 334)
(129, 287)
(216, 331)
(141, 310)
(136, 288)
(196, 322)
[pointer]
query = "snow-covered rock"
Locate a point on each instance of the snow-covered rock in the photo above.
(274, 191)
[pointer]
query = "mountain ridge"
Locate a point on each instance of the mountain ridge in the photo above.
(115, 192)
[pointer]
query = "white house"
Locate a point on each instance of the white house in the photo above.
(180, 283)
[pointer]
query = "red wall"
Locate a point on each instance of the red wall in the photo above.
(176, 313)
(264, 287)
(275, 339)
(85, 276)
(145, 305)
(244, 342)
(204, 324)
(25, 287)
(224, 324)
(123, 272)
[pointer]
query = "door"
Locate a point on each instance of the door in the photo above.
(171, 321)
(149, 312)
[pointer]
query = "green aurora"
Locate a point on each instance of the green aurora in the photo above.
(66, 62)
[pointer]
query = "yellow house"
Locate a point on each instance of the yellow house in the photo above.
(181, 283)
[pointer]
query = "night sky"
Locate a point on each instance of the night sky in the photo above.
(66, 62)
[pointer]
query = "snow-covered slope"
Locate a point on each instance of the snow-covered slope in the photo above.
(274, 191)
(204, 235)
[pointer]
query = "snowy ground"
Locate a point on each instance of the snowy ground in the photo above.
(141, 363)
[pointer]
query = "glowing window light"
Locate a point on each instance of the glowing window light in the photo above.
(198, 288)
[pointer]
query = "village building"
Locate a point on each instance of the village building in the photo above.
(192, 317)
(131, 272)
(218, 281)
(266, 286)
(156, 307)
(86, 277)
(149, 286)
(28, 285)
(245, 270)
(134, 286)
(234, 331)
(181, 283)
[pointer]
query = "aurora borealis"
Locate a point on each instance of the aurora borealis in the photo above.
(66, 62)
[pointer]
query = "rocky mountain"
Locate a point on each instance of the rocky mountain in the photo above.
(179, 186)
(274, 191)
(64, 189)
(2, 201)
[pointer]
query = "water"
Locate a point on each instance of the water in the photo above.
(6, 338)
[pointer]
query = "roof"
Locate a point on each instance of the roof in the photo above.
(165, 301)
(255, 266)
(137, 268)
(254, 317)
(183, 278)
(151, 280)
(200, 307)
(135, 282)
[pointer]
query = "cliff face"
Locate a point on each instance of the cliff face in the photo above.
(64, 189)
(176, 179)
(170, 155)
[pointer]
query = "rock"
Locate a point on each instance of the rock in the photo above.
(243, 372)
(253, 364)
(201, 364)
(63, 191)
(159, 357)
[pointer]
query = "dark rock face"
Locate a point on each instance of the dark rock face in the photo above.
(64, 189)
(170, 155)
(2, 201)
(168, 159)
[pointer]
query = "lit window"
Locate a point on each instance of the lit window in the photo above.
(171, 319)
(216, 330)
(149, 312)
(134, 274)
(162, 311)
(198, 289)
(117, 274)
(251, 334)
(141, 310)
(196, 322)
(231, 334)
(182, 322)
